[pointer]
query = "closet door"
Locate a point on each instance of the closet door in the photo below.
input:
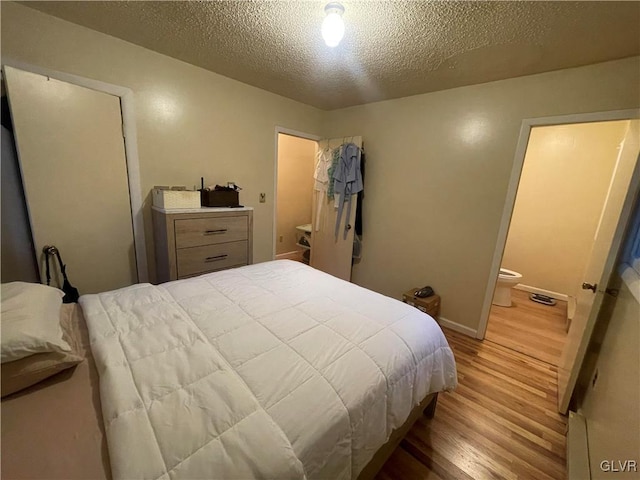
(329, 254)
(71, 153)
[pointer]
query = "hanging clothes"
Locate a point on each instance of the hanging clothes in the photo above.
(363, 167)
(322, 180)
(335, 158)
(347, 182)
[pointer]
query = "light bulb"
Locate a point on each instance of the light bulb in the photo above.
(333, 26)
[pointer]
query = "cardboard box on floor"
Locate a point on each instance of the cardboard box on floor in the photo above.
(429, 305)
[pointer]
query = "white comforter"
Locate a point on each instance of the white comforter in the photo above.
(274, 370)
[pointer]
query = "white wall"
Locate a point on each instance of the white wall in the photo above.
(563, 187)
(190, 122)
(438, 167)
(438, 164)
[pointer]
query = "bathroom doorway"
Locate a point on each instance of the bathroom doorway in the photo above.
(296, 158)
(566, 179)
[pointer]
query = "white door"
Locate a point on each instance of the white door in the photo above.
(328, 253)
(71, 152)
(615, 215)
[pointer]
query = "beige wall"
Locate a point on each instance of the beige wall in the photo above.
(438, 164)
(565, 178)
(438, 167)
(191, 122)
(612, 406)
(296, 162)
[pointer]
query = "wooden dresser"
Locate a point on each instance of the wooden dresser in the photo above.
(195, 241)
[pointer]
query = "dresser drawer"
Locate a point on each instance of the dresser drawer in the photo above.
(195, 260)
(194, 232)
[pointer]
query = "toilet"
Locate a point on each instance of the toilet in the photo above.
(507, 279)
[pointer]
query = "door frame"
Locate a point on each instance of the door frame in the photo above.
(127, 108)
(514, 181)
(293, 133)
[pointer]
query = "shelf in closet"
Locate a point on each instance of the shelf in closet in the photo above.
(304, 228)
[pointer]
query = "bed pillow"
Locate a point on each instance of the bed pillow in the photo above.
(30, 320)
(30, 370)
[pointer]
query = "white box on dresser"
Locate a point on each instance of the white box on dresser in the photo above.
(190, 242)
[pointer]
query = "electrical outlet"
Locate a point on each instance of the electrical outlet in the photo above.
(263, 197)
(281, 238)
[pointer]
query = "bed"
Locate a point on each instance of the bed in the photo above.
(274, 370)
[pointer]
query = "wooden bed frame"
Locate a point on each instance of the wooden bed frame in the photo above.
(428, 408)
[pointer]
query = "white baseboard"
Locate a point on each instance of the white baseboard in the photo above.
(549, 293)
(288, 255)
(457, 327)
(571, 308)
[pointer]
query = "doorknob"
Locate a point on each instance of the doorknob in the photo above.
(589, 286)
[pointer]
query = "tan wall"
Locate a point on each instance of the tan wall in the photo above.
(191, 122)
(565, 178)
(438, 164)
(296, 162)
(612, 406)
(438, 167)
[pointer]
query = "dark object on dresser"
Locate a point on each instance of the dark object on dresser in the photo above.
(220, 197)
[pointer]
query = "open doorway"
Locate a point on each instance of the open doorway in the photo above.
(566, 181)
(312, 222)
(294, 195)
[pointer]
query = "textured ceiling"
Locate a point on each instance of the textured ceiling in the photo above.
(391, 49)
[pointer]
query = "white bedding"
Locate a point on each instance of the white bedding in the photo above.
(274, 370)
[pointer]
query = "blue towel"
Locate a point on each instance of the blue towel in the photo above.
(347, 181)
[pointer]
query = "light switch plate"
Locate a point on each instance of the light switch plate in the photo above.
(263, 197)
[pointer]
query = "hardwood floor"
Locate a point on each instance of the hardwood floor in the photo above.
(500, 423)
(528, 327)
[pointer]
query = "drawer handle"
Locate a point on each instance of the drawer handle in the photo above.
(216, 258)
(214, 232)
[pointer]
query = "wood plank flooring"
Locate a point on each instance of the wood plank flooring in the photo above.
(500, 423)
(528, 327)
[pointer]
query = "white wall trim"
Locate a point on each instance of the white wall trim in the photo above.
(288, 255)
(571, 309)
(516, 171)
(297, 133)
(577, 447)
(549, 293)
(293, 133)
(443, 322)
(129, 129)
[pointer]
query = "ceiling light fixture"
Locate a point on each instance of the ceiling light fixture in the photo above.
(333, 26)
